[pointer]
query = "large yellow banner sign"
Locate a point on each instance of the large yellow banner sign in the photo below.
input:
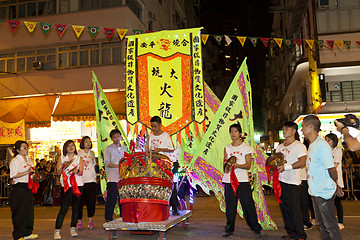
(12, 132)
(164, 78)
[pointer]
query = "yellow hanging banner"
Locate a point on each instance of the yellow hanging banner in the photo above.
(78, 30)
(12, 132)
(242, 40)
(204, 38)
(30, 26)
(164, 78)
(278, 41)
(316, 98)
(121, 32)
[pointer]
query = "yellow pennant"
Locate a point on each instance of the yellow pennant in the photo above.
(204, 38)
(278, 41)
(30, 26)
(310, 43)
(339, 44)
(242, 40)
(121, 32)
(78, 30)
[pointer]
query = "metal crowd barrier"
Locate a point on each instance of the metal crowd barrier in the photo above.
(350, 173)
(4, 188)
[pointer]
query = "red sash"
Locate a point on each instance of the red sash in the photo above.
(73, 183)
(233, 180)
(33, 185)
(276, 183)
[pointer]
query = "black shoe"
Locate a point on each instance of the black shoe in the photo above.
(286, 236)
(257, 234)
(226, 234)
(175, 213)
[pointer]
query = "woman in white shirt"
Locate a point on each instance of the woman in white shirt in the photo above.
(89, 179)
(332, 140)
(70, 167)
(21, 197)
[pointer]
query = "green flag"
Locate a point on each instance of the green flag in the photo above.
(106, 121)
(207, 162)
(45, 27)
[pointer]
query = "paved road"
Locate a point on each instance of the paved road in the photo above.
(207, 222)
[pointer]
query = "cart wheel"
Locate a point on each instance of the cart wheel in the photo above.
(162, 235)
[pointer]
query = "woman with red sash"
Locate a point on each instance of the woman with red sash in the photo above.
(70, 167)
(21, 192)
(236, 183)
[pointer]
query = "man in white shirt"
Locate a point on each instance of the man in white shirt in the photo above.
(113, 154)
(290, 180)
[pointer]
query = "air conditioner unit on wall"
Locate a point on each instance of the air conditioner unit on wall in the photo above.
(334, 86)
(37, 65)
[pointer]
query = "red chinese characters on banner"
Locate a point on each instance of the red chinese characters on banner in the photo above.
(12, 132)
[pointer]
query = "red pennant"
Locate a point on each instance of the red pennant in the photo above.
(330, 43)
(178, 135)
(136, 128)
(13, 25)
(109, 32)
(204, 127)
(60, 28)
(127, 127)
(358, 43)
(298, 42)
(265, 41)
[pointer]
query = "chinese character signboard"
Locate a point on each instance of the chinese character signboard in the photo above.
(12, 132)
(164, 78)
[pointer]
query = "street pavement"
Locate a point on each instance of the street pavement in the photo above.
(207, 222)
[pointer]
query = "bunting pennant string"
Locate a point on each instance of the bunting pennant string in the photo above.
(13, 25)
(204, 38)
(339, 44)
(242, 40)
(265, 41)
(60, 28)
(45, 27)
(93, 31)
(30, 26)
(310, 43)
(121, 32)
(109, 32)
(218, 38)
(78, 30)
(227, 40)
(278, 41)
(253, 40)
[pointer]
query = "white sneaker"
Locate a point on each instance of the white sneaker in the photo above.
(313, 222)
(57, 234)
(341, 226)
(73, 232)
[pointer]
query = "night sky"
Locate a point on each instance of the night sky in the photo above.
(249, 18)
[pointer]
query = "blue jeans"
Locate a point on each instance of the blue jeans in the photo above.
(325, 218)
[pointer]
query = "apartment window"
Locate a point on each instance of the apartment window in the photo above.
(343, 91)
(21, 8)
(68, 57)
(135, 7)
(89, 54)
(110, 53)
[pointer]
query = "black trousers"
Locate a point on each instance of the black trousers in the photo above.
(88, 197)
(339, 210)
(22, 210)
(247, 203)
(112, 198)
(174, 201)
(66, 199)
(304, 202)
(290, 210)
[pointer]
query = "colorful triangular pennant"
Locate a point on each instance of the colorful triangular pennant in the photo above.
(298, 42)
(330, 43)
(218, 38)
(45, 27)
(241, 40)
(310, 43)
(30, 26)
(13, 25)
(121, 32)
(288, 43)
(253, 40)
(204, 38)
(78, 30)
(265, 41)
(109, 32)
(138, 32)
(278, 41)
(93, 31)
(320, 43)
(358, 43)
(227, 40)
(60, 28)
(347, 44)
(339, 44)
